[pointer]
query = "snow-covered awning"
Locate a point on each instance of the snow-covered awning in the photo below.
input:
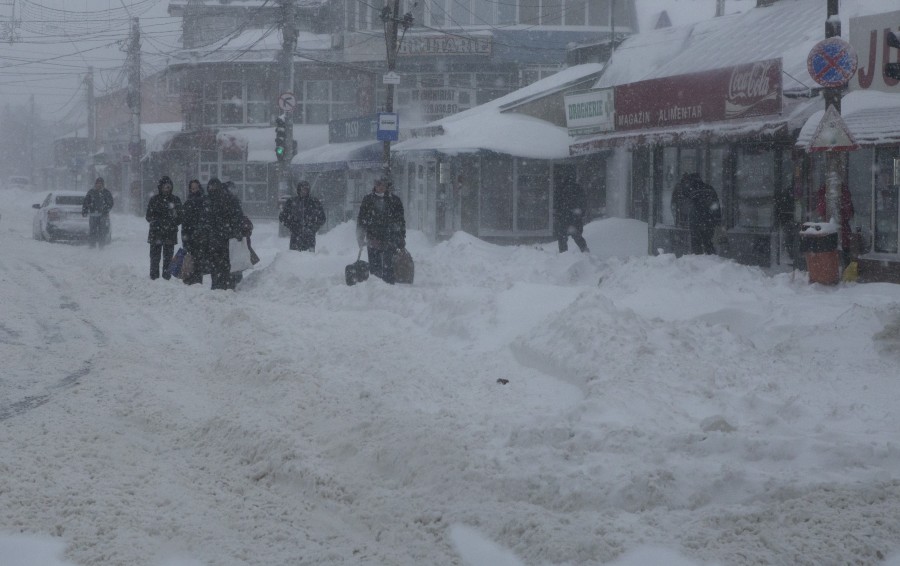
(872, 117)
(763, 128)
(339, 156)
(512, 134)
(497, 126)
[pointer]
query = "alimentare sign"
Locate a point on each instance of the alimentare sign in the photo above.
(753, 89)
(590, 111)
(444, 45)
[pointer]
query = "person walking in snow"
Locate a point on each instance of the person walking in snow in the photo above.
(569, 210)
(303, 216)
(699, 202)
(96, 206)
(194, 231)
(164, 215)
(381, 226)
(223, 221)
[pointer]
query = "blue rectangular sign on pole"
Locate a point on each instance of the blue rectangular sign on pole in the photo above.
(388, 127)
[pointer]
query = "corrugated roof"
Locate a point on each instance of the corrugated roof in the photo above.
(786, 30)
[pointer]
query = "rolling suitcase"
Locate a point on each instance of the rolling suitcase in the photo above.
(404, 267)
(357, 271)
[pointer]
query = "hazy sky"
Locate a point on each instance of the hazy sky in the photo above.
(56, 41)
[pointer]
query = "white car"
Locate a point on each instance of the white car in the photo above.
(18, 182)
(59, 217)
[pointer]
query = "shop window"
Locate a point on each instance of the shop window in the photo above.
(496, 199)
(860, 172)
(551, 12)
(529, 12)
(887, 201)
(258, 104)
(437, 13)
(532, 195)
(322, 100)
(506, 13)
(576, 11)
(461, 12)
(232, 103)
(754, 189)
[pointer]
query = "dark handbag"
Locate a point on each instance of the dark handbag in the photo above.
(404, 267)
(357, 271)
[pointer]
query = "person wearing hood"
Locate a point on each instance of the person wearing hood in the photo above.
(164, 215)
(381, 226)
(194, 232)
(97, 203)
(224, 216)
(699, 202)
(303, 216)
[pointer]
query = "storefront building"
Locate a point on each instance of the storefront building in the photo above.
(492, 171)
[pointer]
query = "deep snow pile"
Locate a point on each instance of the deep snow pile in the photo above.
(657, 410)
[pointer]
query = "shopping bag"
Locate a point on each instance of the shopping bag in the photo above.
(187, 266)
(177, 264)
(239, 254)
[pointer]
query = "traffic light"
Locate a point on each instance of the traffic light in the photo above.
(280, 138)
(892, 70)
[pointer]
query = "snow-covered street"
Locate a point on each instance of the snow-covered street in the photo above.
(658, 409)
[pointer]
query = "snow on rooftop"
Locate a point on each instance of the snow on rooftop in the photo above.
(261, 45)
(486, 127)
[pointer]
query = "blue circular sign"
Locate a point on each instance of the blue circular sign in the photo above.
(832, 62)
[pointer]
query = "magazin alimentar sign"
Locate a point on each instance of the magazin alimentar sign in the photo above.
(743, 91)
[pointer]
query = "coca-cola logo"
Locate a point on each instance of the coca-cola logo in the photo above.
(750, 83)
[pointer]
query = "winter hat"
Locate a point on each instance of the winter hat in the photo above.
(164, 180)
(214, 183)
(302, 185)
(100, 180)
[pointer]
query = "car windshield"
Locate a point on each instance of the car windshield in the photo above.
(70, 199)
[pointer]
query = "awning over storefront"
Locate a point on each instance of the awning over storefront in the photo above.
(339, 157)
(763, 129)
(872, 117)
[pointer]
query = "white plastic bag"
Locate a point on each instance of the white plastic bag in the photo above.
(239, 255)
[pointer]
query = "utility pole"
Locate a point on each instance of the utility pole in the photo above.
(288, 46)
(834, 160)
(91, 122)
(134, 103)
(390, 15)
(31, 130)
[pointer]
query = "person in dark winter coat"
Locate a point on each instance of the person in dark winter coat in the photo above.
(570, 207)
(97, 203)
(194, 232)
(303, 216)
(223, 221)
(164, 215)
(381, 226)
(700, 203)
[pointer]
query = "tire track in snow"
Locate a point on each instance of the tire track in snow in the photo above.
(69, 380)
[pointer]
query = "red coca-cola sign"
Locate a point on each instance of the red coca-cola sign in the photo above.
(753, 89)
